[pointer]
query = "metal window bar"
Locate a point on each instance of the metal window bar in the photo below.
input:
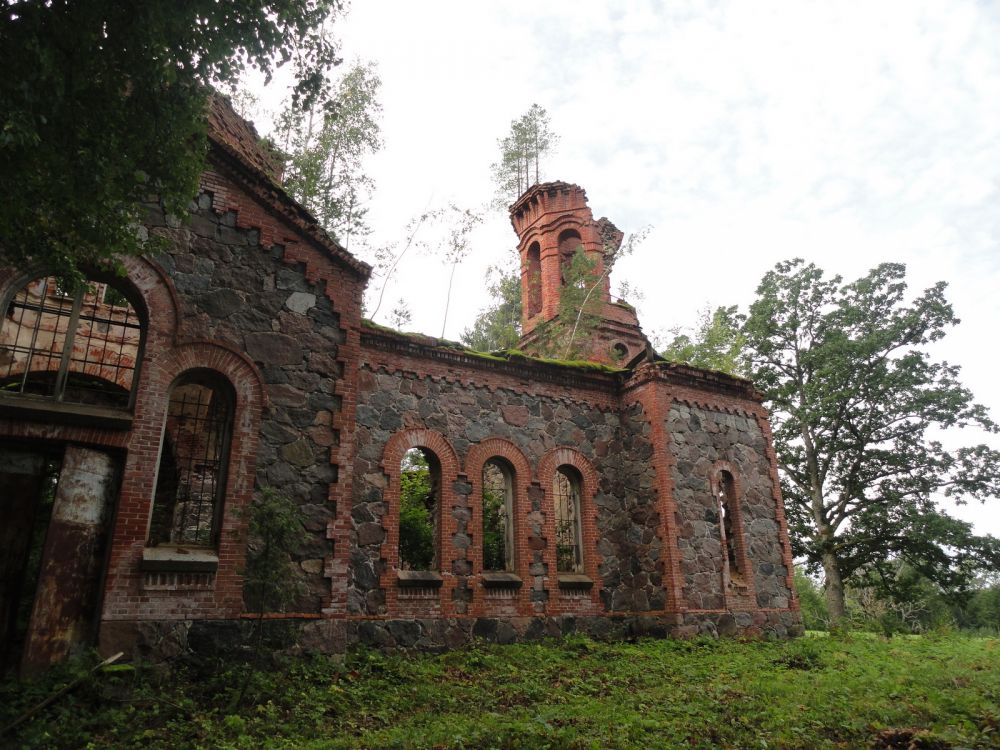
(73, 348)
(566, 493)
(198, 420)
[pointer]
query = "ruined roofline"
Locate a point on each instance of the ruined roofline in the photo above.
(235, 140)
(540, 188)
(571, 373)
(507, 362)
(677, 373)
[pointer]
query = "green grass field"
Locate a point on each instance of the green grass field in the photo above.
(838, 692)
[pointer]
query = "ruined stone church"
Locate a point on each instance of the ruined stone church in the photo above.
(140, 414)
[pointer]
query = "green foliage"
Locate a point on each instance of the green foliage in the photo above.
(499, 326)
(416, 513)
(567, 336)
(325, 149)
(825, 692)
(716, 344)
(811, 601)
(521, 152)
(271, 583)
(857, 406)
(102, 105)
(494, 519)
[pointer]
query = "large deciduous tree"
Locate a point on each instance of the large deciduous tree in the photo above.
(859, 410)
(102, 104)
(326, 149)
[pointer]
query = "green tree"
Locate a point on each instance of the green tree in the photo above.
(416, 513)
(102, 104)
(498, 326)
(270, 582)
(326, 149)
(858, 407)
(521, 152)
(716, 344)
(811, 602)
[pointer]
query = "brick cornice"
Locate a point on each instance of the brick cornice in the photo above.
(696, 379)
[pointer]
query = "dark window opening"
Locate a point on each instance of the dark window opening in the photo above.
(78, 345)
(191, 481)
(419, 510)
(498, 502)
(569, 243)
(566, 495)
(727, 504)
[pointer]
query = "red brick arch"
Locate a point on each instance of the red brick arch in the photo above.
(588, 520)
(395, 448)
(131, 527)
(476, 459)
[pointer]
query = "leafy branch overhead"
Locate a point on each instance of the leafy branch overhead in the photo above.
(102, 105)
(325, 150)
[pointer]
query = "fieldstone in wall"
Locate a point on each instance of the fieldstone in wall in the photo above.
(235, 291)
(700, 438)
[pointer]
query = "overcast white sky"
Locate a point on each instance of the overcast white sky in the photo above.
(744, 133)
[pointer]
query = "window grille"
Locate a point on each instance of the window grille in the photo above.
(78, 346)
(191, 481)
(566, 492)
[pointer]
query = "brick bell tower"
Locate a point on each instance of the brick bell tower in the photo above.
(552, 220)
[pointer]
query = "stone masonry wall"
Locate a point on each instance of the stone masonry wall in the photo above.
(701, 438)
(628, 521)
(235, 291)
(470, 415)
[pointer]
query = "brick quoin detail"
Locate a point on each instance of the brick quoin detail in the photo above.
(779, 510)
(395, 449)
(124, 598)
(588, 530)
(655, 401)
(477, 457)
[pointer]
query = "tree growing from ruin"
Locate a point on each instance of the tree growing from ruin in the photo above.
(860, 414)
(499, 325)
(325, 150)
(521, 152)
(102, 105)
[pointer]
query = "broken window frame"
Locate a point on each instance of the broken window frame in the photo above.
(72, 307)
(730, 516)
(220, 387)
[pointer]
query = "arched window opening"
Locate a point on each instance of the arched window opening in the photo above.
(191, 481)
(569, 544)
(498, 514)
(419, 510)
(534, 280)
(76, 344)
(726, 490)
(569, 243)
